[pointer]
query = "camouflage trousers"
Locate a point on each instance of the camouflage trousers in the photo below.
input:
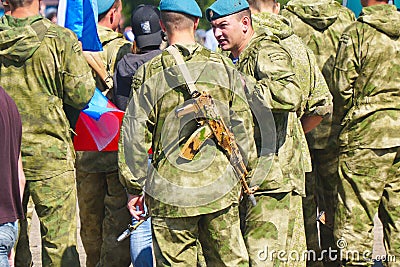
(274, 230)
(104, 216)
(321, 195)
(55, 205)
(369, 184)
(176, 240)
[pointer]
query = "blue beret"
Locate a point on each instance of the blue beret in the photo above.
(189, 7)
(222, 8)
(104, 5)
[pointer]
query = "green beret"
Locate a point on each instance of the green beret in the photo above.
(189, 7)
(222, 8)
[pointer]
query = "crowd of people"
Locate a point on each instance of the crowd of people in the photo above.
(273, 143)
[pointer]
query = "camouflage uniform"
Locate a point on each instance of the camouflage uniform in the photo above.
(367, 76)
(317, 100)
(204, 206)
(319, 24)
(42, 68)
(102, 198)
(281, 189)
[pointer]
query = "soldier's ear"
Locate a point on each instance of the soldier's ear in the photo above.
(246, 23)
(277, 8)
(163, 26)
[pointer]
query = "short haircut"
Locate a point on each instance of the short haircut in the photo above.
(244, 13)
(175, 21)
(256, 4)
(19, 3)
(115, 5)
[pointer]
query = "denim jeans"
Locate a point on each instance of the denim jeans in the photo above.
(141, 244)
(8, 236)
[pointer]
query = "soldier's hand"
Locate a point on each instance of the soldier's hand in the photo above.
(136, 206)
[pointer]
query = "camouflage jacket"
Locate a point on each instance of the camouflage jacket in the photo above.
(317, 100)
(42, 68)
(367, 75)
(276, 85)
(320, 24)
(114, 48)
(176, 187)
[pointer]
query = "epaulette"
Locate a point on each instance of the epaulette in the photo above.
(345, 38)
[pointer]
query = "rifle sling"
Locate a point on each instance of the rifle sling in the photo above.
(184, 69)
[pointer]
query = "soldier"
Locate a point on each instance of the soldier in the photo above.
(101, 197)
(319, 24)
(190, 201)
(145, 22)
(317, 100)
(276, 222)
(367, 76)
(42, 68)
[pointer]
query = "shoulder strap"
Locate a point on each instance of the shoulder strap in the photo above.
(94, 60)
(112, 51)
(40, 28)
(184, 69)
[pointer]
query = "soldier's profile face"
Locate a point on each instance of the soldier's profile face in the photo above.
(227, 31)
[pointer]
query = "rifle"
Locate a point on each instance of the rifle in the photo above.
(94, 60)
(212, 124)
(130, 229)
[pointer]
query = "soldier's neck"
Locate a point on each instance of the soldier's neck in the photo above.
(26, 11)
(375, 2)
(182, 37)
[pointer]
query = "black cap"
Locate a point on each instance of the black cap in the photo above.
(146, 27)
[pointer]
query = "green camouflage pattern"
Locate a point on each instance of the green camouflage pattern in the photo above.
(41, 76)
(317, 100)
(367, 72)
(274, 230)
(114, 48)
(175, 240)
(271, 65)
(55, 205)
(278, 89)
(369, 184)
(102, 198)
(150, 122)
(320, 24)
(104, 216)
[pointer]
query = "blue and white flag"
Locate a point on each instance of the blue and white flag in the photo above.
(80, 16)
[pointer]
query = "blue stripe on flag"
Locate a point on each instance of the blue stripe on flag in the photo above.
(98, 105)
(80, 16)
